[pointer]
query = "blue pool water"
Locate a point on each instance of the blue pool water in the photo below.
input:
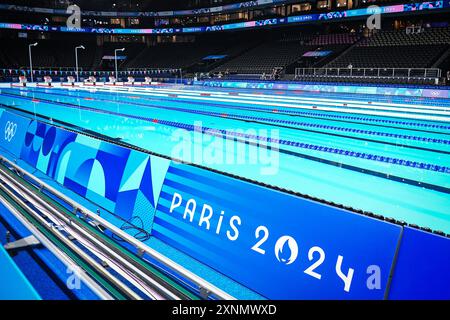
(386, 155)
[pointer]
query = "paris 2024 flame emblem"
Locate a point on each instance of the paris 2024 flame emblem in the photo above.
(286, 250)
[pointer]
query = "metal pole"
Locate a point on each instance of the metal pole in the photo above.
(115, 61)
(76, 61)
(31, 59)
(76, 64)
(31, 63)
(115, 64)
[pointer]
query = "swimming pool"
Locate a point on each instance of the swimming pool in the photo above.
(385, 155)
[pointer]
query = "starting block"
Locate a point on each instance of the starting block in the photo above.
(91, 81)
(70, 82)
(112, 80)
(22, 82)
(47, 82)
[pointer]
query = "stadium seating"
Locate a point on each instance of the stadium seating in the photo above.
(396, 49)
(170, 55)
(107, 49)
(335, 39)
(286, 51)
(253, 54)
(14, 54)
(265, 57)
(184, 55)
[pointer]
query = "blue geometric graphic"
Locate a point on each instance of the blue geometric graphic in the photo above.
(117, 179)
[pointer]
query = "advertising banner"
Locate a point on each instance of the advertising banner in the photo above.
(280, 245)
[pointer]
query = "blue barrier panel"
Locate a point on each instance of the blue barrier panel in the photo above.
(13, 129)
(123, 181)
(14, 285)
(281, 246)
(422, 270)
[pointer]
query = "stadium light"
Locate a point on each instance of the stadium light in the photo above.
(115, 61)
(76, 60)
(31, 60)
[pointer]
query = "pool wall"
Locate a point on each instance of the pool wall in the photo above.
(282, 246)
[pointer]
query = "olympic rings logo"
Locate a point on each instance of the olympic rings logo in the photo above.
(10, 130)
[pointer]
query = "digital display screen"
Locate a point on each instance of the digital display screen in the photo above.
(431, 5)
(316, 53)
(229, 7)
(215, 57)
(112, 57)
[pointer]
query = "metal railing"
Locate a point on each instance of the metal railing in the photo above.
(202, 285)
(154, 70)
(64, 72)
(380, 73)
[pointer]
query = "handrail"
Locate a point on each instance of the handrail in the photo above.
(66, 71)
(64, 258)
(370, 72)
(203, 285)
(99, 268)
(156, 290)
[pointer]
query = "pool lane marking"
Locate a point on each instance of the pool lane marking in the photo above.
(275, 187)
(325, 101)
(328, 117)
(315, 115)
(293, 112)
(393, 112)
(333, 99)
(409, 113)
(361, 155)
(295, 154)
(336, 97)
(326, 127)
(304, 124)
(286, 98)
(411, 109)
(332, 102)
(297, 103)
(416, 183)
(323, 115)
